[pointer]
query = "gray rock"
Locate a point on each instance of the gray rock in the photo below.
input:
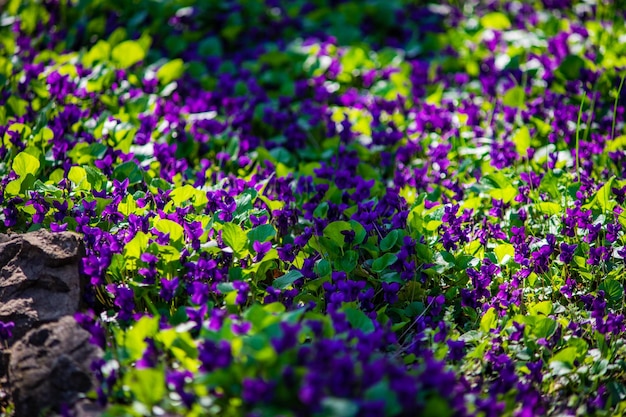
(39, 278)
(51, 366)
(40, 282)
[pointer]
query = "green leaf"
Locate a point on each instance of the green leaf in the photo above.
(348, 261)
(98, 53)
(225, 287)
(522, 141)
(359, 320)
(134, 340)
(262, 233)
(136, 246)
(548, 208)
(580, 345)
(542, 127)
(321, 210)
(495, 21)
(128, 206)
(147, 384)
(542, 307)
(24, 164)
(127, 53)
(549, 184)
(287, 279)
(174, 229)
(210, 46)
(77, 175)
(334, 229)
(504, 252)
(559, 368)
(570, 67)
(168, 254)
(390, 240)
(383, 262)
(613, 291)
(437, 407)
(322, 268)
(496, 180)
(602, 198)
(505, 194)
(235, 238)
(128, 170)
(540, 326)
(359, 232)
(567, 355)
(255, 314)
(489, 320)
(382, 392)
(14, 187)
(515, 97)
(171, 71)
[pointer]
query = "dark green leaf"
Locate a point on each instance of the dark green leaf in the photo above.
(359, 320)
(348, 261)
(287, 279)
(384, 261)
(262, 233)
(390, 240)
(570, 67)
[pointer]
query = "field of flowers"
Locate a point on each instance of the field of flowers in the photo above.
(330, 208)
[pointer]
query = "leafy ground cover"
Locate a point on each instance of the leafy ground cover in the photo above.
(330, 208)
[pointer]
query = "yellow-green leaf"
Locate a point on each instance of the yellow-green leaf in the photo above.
(504, 252)
(506, 194)
(136, 246)
(99, 52)
(25, 164)
(496, 21)
(235, 238)
(171, 71)
(515, 97)
(548, 208)
(77, 175)
(489, 320)
(542, 307)
(174, 229)
(14, 187)
(128, 53)
(522, 141)
(128, 206)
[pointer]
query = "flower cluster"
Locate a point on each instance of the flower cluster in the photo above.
(330, 208)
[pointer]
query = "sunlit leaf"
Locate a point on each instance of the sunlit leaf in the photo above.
(128, 53)
(495, 20)
(25, 164)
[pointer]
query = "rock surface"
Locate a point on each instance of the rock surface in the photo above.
(49, 356)
(50, 367)
(39, 278)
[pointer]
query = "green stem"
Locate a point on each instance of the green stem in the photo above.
(619, 92)
(580, 113)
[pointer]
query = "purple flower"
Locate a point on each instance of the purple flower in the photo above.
(55, 227)
(214, 355)
(567, 252)
(149, 258)
(261, 248)
(256, 390)
(88, 322)
(150, 357)
(456, 349)
(168, 288)
(124, 298)
(177, 380)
